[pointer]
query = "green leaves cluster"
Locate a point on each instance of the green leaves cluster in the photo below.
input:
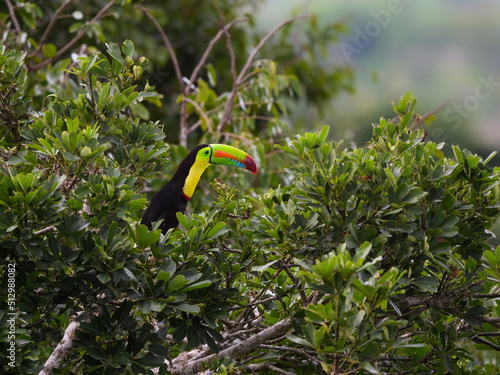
(69, 202)
(391, 238)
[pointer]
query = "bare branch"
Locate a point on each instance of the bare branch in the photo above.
(488, 334)
(169, 46)
(495, 322)
(485, 342)
(73, 41)
(236, 350)
(429, 114)
(62, 348)
(49, 28)
(229, 46)
(183, 125)
(211, 45)
(12, 14)
(229, 104)
(296, 282)
(486, 295)
(44, 230)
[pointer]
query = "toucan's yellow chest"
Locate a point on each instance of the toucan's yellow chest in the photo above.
(193, 177)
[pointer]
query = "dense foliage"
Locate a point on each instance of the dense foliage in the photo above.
(333, 260)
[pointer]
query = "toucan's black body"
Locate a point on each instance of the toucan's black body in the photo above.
(171, 199)
(174, 196)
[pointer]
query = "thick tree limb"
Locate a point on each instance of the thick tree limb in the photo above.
(62, 348)
(234, 351)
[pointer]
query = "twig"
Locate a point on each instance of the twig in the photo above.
(229, 46)
(49, 28)
(12, 14)
(184, 126)
(429, 114)
(4, 154)
(229, 103)
(211, 44)
(488, 334)
(486, 295)
(296, 282)
(200, 111)
(44, 230)
(73, 41)
(169, 46)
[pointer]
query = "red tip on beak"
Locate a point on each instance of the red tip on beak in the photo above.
(250, 164)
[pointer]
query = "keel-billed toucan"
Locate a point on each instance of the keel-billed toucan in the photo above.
(174, 196)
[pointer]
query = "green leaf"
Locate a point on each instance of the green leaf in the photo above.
(458, 154)
(264, 266)
(362, 252)
(212, 76)
(115, 52)
(183, 220)
(218, 230)
(298, 340)
(193, 309)
(426, 283)
(176, 283)
(144, 238)
(198, 285)
(128, 48)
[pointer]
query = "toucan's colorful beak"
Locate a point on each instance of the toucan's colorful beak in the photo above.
(228, 155)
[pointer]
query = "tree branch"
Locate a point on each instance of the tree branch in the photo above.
(183, 125)
(62, 348)
(229, 46)
(167, 43)
(229, 103)
(296, 283)
(485, 295)
(485, 342)
(428, 114)
(12, 14)
(236, 350)
(49, 28)
(73, 41)
(44, 230)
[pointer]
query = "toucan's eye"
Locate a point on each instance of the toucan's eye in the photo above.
(207, 152)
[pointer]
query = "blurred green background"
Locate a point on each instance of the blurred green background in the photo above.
(439, 50)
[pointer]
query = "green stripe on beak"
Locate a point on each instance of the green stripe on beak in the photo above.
(228, 155)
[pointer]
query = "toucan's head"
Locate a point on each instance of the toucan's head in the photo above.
(203, 155)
